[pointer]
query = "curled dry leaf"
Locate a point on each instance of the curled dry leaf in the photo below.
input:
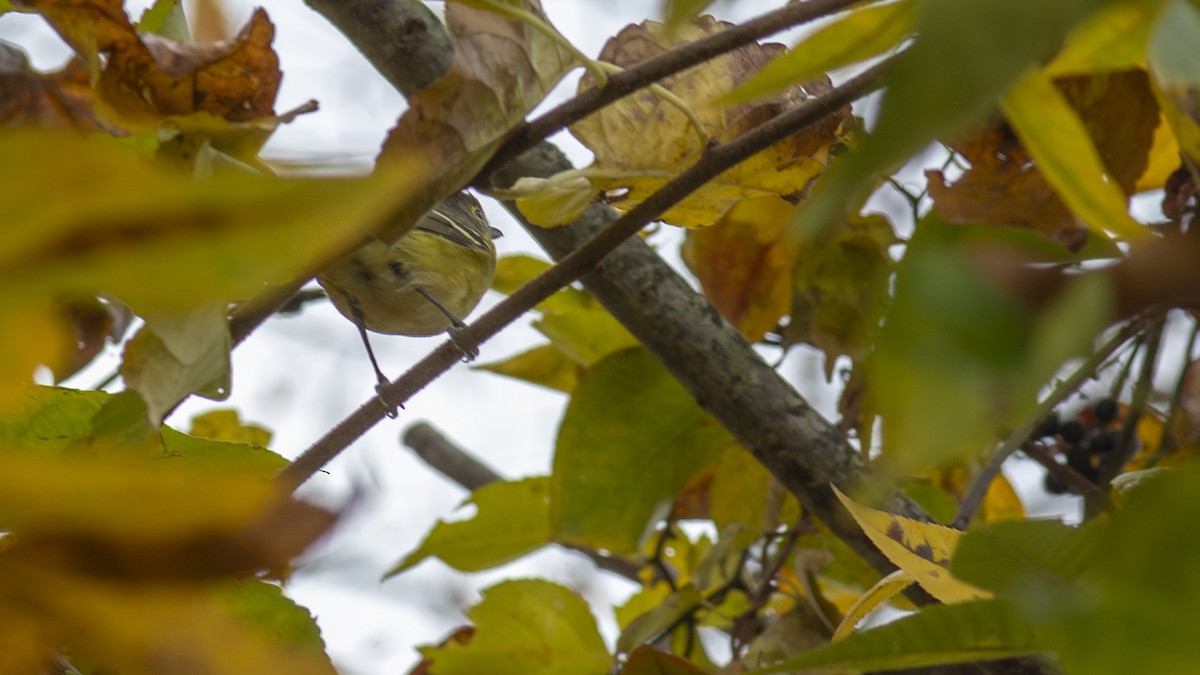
(1004, 187)
(58, 100)
(642, 141)
(94, 322)
(501, 69)
(223, 90)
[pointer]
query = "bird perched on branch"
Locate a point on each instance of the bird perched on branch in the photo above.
(423, 283)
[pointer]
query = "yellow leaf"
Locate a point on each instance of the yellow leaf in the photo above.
(875, 596)
(923, 550)
(1002, 502)
(1163, 158)
(1059, 144)
(856, 36)
(548, 203)
(148, 628)
(225, 425)
(1114, 38)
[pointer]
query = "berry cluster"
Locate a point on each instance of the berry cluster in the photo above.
(1087, 442)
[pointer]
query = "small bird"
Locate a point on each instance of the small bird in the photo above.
(423, 283)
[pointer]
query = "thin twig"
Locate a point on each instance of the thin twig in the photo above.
(1126, 445)
(718, 159)
(1170, 441)
(974, 497)
(1072, 479)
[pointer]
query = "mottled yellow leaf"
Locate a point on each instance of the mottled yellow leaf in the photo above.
(923, 550)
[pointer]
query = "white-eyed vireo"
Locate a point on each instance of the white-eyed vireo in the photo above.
(424, 282)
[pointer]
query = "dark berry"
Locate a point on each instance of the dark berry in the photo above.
(1053, 486)
(1105, 411)
(1048, 426)
(1104, 443)
(1071, 432)
(1079, 457)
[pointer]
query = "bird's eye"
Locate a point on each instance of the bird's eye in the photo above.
(479, 212)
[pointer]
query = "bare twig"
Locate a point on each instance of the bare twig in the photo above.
(447, 458)
(1072, 479)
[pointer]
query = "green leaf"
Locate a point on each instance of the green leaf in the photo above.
(950, 339)
(173, 357)
(1022, 557)
(545, 365)
(576, 324)
(1168, 53)
(511, 520)
(526, 627)
(937, 635)
(856, 36)
(264, 607)
(631, 438)
(742, 493)
(653, 624)
(212, 453)
(677, 12)
(159, 241)
(978, 50)
(166, 18)
(1112, 39)
(48, 420)
(1123, 614)
(959, 359)
(121, 497)
(1064, 153)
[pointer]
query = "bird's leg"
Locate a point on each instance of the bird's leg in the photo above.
(456, 325)
(391, 409)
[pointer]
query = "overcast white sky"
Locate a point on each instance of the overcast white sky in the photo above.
(298, 376)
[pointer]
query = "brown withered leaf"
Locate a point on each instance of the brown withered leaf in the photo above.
(744, 264)
(642, 141)
(58, 100)
(501, 69)
(224, 91)
(94, 322)
(1003, 187)
(148, 78)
